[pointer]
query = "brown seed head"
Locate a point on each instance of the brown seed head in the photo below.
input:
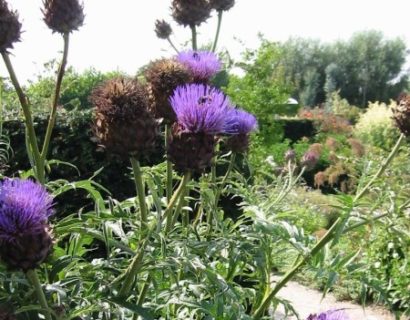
(222, 5)
(401, 114)
(164, 76)
(10, 27)
(238, 143)
(162, 29)
(123, 123)
(190, 12)
(63, 16)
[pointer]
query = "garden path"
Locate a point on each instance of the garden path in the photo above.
(307, 301)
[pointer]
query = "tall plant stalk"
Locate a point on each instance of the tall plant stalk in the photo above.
(260, 310)
(139, 186)
(28, 121)
(169, 164)
(194, 37)
(56, 97)
(218, 30)
(35, 282)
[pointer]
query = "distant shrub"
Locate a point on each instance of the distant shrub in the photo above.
(326, 121)
(375, 126)
(341, 107)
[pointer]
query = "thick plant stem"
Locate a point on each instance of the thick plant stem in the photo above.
(259, 312)
(169, 164)
(382, 168)
(225, 178)
(139, 185)
(218, 30)
(175, 197)
(194, 38)
(172, 45)
(53, 115)
(28, 120)
(33, 278)
(132, 271)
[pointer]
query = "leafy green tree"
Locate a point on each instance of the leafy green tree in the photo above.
(262, 88)
(367, 67)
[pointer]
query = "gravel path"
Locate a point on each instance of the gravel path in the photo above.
(307, 301)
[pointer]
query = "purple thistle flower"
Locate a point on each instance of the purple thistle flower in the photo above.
(240, 122)
(25, 207)
(329, 315)
(200, 108)
(202, 64)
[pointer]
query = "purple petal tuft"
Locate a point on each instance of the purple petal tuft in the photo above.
(330, 315)
(202, 64)
(25, 207)
(200, 108)
(240, 122)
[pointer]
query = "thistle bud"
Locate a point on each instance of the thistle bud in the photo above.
(290, 155)
(401, 114)
(239, 124)
(221, 5)
(190, 12)
(200, 112)
(25, 237)
(162, 29)
(164, 76)
(309, 160)
(10, 27)
(123, 123)
(63, 16)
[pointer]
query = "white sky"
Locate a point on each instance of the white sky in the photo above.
(118, 34)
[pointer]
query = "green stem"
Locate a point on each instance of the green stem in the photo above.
(169, 164)
(172, 45)
(225, 178)
(53, 115)
(33, 278)
(178, 209)
(259, 312)
(218, 30)
(28, 120)
(176, 196)
(382, 168)
(194, 38)
(144, 290)
(139, 185)
(132, 271)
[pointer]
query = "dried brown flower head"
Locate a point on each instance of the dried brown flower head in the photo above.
(162, 29)
(357, 147)
(401, 114)
(10, 27)
(190, 12)
(63, 16)
(164, 76)
(123, 123)
(222, 5)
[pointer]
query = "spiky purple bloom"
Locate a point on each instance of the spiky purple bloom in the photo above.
(240, 122)
(25, 207)
(329, 315)
(202, 64)
(309, 160)
(200, 109)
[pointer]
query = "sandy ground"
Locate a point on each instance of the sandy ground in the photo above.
(307, 301)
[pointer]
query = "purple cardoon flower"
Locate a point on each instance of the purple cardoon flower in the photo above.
(329, 315)
(202, 64)
(240, 122)
(24, 208)
(25, 238)
(200, 109)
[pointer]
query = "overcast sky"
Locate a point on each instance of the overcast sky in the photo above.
(118, 34)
